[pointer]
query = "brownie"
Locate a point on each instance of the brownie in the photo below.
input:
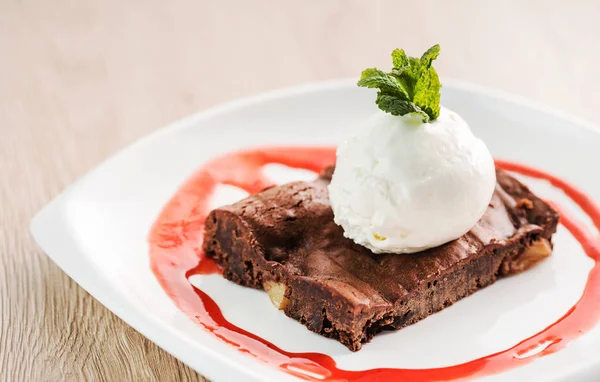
(284, 240)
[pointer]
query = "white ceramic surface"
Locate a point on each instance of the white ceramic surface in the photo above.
(96, 232)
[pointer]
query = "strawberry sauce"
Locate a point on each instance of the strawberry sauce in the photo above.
(176, 254)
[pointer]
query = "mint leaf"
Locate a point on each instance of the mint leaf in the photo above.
(412, 86)
(430, 55)
(376, 79)
(396, 106)
(400, 60)
(427, 92)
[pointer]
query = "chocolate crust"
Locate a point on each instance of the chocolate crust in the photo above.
(285, 237)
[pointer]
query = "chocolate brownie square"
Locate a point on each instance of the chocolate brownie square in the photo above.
(284, 240)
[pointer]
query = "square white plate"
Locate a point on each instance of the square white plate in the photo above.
(97, 229)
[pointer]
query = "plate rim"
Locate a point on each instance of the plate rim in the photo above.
(154, 330)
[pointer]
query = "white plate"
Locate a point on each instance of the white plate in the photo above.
(96, 232)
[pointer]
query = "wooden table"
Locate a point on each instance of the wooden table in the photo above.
(81, 79)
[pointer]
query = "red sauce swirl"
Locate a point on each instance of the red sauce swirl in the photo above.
(175, 254)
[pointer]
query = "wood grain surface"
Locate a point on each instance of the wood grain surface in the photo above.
(81, 79)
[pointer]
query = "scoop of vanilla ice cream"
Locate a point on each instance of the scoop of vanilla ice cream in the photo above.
(402, 186)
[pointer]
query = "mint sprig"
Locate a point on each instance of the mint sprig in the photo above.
(412, 86)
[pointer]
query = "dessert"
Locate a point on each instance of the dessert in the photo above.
(413, 217)
(284, 240)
